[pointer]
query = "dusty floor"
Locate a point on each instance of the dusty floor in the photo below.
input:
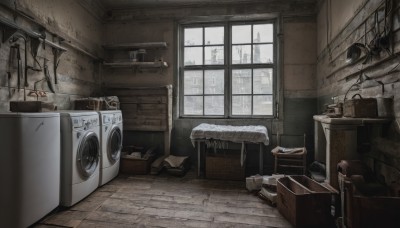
(167, 201)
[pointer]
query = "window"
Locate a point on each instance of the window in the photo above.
(227, 70)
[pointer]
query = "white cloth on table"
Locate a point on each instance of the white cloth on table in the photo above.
(237, 134)
(212, 133)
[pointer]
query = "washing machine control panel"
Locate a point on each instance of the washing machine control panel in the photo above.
(112, 118)
(85, 122)
(107, 119)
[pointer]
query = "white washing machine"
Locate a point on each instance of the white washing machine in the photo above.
(80, 155)
(29, 167)
(111, 144)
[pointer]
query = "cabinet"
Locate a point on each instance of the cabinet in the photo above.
(336, 139)
(131, 55)
(146, 109)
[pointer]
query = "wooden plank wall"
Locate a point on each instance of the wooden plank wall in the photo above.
(335, 76)
(145, 109)
(78, 74)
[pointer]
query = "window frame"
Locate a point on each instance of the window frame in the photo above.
(228, 67)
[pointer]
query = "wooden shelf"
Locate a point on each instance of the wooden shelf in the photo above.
(137, 64)
(127, 46)
(145, 109)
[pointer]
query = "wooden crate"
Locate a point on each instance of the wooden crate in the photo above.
(135, 165)
(224, 167)
(360, 108)
(304, 202)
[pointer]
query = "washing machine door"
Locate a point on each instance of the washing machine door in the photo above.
(88, 154)
(114, 144)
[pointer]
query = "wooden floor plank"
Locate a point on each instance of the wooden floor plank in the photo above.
(120, 218)
(65, 218)
(89, 204)
(166, 201)
(158, 221)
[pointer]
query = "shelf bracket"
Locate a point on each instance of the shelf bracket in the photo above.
(8, 32)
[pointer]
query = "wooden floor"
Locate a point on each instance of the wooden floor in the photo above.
(167, 201)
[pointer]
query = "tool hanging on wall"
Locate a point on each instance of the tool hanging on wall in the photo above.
(16, 37)
(57, 54)
(19, 66)
(10, 66)
(47, 76)
(35, 43)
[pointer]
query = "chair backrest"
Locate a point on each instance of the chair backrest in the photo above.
(291, 140)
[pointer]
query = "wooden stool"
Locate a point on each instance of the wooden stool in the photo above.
(293, 158)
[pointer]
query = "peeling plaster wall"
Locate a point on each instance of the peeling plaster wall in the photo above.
(78, 75)
(353, 24)
(298, 92)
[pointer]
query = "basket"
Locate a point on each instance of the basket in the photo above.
(360, 108)
(88, 104)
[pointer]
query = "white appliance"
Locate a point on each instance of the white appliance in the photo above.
(111, 144)
(80, 155)
(29, 167)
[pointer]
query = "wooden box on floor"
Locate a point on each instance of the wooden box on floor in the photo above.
(304, 202)
(135, 165)
(224, 167)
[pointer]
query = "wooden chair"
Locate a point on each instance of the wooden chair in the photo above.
(296, 160)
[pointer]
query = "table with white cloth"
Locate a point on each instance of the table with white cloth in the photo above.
(219, 135)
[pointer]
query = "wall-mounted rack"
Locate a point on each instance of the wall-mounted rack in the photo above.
(10, 28)
(128, 46)
(133, 47)
(137, 64)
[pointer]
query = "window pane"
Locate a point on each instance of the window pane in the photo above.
(193, 82)
(193, 105)
(214, 55)
(214, 82)
(241, 81)
(262, 105)
(241, 34)
(214, 35)
(241, 54)
(193, 36)
(263, 33)
(262, 81)
(193, 56)
(214, 105)
(241, 105)
(263, 53)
